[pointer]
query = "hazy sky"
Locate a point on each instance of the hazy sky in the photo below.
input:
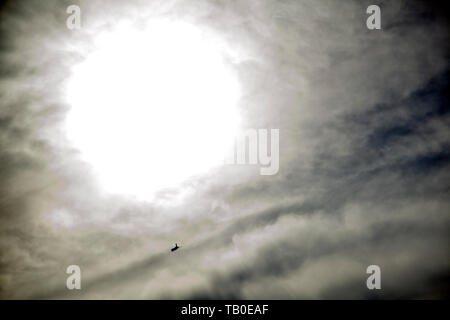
(364, 161)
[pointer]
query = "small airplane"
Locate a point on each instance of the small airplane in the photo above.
(175, 248)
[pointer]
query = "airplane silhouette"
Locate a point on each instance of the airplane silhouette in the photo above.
(175, 248)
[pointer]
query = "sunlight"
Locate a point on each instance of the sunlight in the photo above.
(151, 108)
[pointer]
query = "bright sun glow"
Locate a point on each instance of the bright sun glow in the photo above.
(152, 107)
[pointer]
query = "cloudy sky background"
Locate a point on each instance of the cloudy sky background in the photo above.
(363, 179)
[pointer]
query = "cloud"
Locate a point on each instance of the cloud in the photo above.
(363, 119)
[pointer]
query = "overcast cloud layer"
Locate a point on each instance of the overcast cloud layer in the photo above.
(364, 163)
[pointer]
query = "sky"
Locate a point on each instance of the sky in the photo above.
(363, 148)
